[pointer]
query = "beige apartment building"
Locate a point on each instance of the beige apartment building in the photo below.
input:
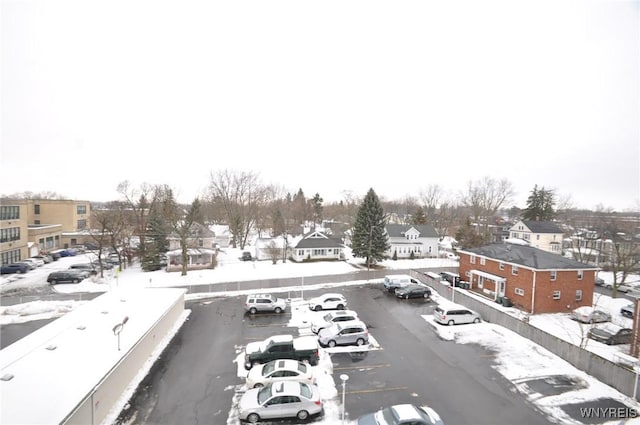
(29, 226)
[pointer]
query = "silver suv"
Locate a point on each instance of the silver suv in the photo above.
(344, 333)
(264, 302)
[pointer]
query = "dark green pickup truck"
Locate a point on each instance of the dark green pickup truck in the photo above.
(304, 348)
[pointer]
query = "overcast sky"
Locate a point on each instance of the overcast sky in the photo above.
(327, 96)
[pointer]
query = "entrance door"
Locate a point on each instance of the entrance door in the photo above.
(501, 286)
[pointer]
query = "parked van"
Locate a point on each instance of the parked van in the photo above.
(395, 281)
(455, 315)
(452, 278)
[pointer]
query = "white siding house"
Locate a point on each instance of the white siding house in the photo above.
(318, 246)
(544, 235)
(405, 239)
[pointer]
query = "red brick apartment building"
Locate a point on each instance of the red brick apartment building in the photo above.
(534, 280)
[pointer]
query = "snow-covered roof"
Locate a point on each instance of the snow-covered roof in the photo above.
(79, 349)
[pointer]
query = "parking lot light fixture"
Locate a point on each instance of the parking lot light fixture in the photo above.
(344, 377)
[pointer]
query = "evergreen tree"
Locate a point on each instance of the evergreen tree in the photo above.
(419, 217)
(540, 205)
(316, 208)
(370, 238)
(468, 237)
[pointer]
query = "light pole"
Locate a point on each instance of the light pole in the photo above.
(344, 378)
(118, 328)
(284, 253)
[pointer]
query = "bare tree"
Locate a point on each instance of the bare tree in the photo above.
(431, 198)
(485, 196)
(241, 196)
(112, 228)
(274, 252)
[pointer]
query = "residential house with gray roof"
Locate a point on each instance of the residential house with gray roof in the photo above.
(408, 239)
(315, 246)
(534, 280)
(545, 235)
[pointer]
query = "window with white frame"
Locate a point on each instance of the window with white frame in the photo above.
(553, 275)
(579, 295)
(467, 273)
(514, 270)
(483, 261)
(472, 259)
(580, 274)
(519, 291)
(501, 266)
(556, 295)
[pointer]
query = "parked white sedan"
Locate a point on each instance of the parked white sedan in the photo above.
(279, 370)
(280, 400)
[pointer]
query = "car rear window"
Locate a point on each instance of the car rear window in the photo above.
(439, 310)
(302, 367)
(305, 390)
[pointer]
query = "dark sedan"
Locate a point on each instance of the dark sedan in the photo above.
(413, 291)
(610, 334)
(71, 276)
(14, 268)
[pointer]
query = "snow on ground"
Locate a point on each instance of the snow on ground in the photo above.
(520, 360)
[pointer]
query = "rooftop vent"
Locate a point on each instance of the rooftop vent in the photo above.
(6, 377)
(52, 347)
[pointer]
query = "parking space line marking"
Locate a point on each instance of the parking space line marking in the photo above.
(282, 325)
(377, 390)
(374, 366)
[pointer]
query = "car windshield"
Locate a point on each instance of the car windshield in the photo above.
(327, 317)
(264, 394)
(268, 368)
(388, 416)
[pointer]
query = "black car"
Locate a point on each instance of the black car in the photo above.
(246, 256)
(413, 291)
(627, 310)
(70, 276)
(610, 334)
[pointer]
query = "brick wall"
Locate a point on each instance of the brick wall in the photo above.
(566, 282)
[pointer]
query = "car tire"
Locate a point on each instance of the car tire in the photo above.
(450, 323)
(278, 310)
(476, 320)
(253, 310)
(331, 343)
(318, 308)
(340, 307)
(302, 415)
(18, 271)
(253, 418)
(76, 281)
(258, 385)
(360, 341)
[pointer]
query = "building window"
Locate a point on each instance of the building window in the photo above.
(514, 270)
(483, 261)
(82, 224)
(556, 295)
(36, 221)
(519, 291)
(501, 266)
(467, 273)
(580, 274)
(9, 213)
(36, 209)
(579, 295)
(10, 234)
(81, 209)
(555, 247)
(554, 275)
(537, 237)
(472, 259)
